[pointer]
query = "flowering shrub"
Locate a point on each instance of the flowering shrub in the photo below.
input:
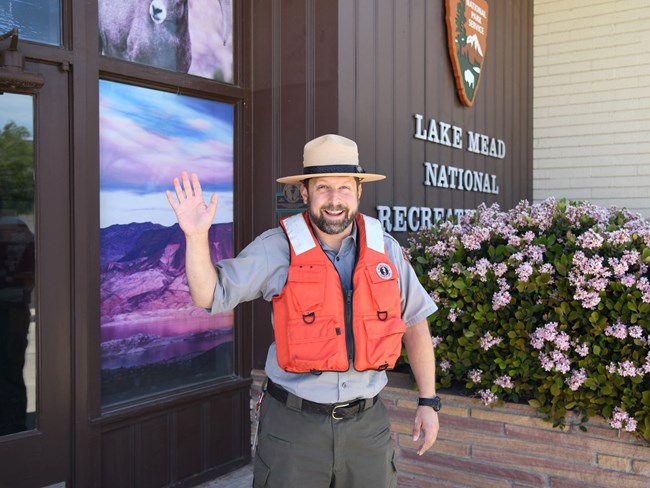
(547, 304)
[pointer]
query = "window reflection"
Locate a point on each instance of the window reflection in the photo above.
(17, 265)
(36, 20)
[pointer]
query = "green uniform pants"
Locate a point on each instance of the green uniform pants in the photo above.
(298, 449)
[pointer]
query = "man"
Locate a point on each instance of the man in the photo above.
(344, 297)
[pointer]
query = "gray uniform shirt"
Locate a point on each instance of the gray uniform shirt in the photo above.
(260, 270)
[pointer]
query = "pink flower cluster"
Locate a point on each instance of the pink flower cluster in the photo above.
(487, 341)
(524, 271)
(622, 331)
(549, 333)
(434, 273)
(445, 365)
(577, 378)
(504, 381)
(622, 420)
(619, 237)
(618, 330)
(453, 314)
(488, 397)
(475, 375)
(590, 240)
(481, 269)
(628, 369)
(555, 360)
(476, 236)
(436, 341)
(501, 298)
(590, 277)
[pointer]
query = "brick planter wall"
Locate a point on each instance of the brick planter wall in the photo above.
(508, 446)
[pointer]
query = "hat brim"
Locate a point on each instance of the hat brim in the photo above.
(363, 177)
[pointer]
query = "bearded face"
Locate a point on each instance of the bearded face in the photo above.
(333, 203)
(332, 219)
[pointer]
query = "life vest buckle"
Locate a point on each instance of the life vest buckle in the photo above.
(308, 318)
(382, 315)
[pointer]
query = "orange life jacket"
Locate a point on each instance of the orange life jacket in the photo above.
(312, 313)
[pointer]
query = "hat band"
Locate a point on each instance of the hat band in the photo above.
(333, 168)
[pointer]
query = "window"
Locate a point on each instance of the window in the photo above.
(153, 338)
(17, 265)
(36, 20)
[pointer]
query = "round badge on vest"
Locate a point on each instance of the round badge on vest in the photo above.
(384, 271)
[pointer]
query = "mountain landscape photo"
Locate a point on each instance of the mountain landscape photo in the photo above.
(150, 329)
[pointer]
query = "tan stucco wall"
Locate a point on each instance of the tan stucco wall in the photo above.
(591, 116)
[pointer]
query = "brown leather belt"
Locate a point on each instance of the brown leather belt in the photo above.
(338, 411)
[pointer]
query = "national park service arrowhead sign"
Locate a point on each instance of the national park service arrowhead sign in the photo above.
(467, 24)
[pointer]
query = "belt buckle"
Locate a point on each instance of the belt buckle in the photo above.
(340, 405)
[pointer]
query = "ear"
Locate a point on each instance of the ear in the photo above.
(304, 192)
(359, 190)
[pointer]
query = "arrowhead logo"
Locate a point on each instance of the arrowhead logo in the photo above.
(467, 23)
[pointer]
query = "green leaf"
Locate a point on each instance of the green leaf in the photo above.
(646, 398)
(460, 284)
(556, 390)
(534, 403)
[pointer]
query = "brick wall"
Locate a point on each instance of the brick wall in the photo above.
(591, 101)
(507, 447)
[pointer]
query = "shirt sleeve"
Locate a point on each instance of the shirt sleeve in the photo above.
(417, 304)
(259, 270)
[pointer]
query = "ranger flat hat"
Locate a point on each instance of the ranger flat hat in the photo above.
(331, 155)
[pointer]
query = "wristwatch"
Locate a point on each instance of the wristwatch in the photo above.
(434, 402)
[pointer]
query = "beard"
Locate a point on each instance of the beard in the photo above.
(329, 226)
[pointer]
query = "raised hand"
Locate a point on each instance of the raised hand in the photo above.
(194, 216)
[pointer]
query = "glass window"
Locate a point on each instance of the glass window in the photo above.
(17, 265)
(152, 337)
(189, 36)
(36, 20)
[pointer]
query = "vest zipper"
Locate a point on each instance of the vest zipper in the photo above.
(349, 335)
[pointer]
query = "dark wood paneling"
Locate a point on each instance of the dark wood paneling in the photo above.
(153, 459)
(226, 443)
(117, 467)
(177, 446)
(190, 441)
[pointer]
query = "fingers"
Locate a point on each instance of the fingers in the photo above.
(425, 419)
(417, 427)
(171, 200)
(212, 207)
(197, 185)
(189, 187)
(429, 439)
(178, 190)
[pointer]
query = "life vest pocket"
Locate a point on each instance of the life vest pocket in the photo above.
(383, 342)
(316, 346)
(310, 280)
(383, 284)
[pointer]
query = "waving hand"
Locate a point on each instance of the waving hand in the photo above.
(194, 216)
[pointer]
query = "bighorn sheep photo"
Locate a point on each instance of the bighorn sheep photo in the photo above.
(152, 32)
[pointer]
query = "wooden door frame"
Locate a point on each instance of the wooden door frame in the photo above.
(43, 456)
